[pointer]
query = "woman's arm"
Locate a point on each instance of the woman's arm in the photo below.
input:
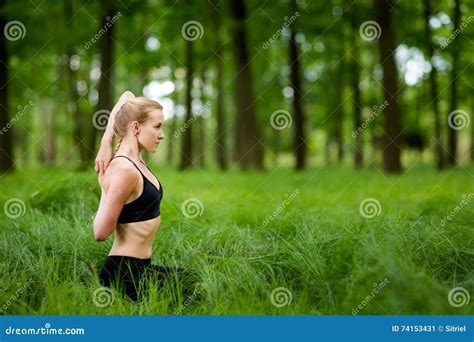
(105, 151)
(112, 200)
(109, 132)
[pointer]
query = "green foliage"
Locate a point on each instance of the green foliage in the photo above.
(319, 246)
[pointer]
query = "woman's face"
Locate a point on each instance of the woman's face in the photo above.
(151, 131)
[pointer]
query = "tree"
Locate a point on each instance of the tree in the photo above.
(6, 142)
(472, 127)
(79, 117)
(187, 148)
(248, 149)
(221, 144)
(202, 123)
(300, 119)
(106, 66)
(355, 80)
(452, 136)
(172, 128)
(434, 87)
(392, 120)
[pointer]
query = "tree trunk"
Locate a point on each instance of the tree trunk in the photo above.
(172, 130)
(327, 150)
(79, 118)
(299, 120)
(339, 115)
(434, 88)
(330, 100)
(472, 127)
(249, 152)
(187, 148)
(171, 139)
(221, 143)
(355, 80)
(392, 123)
(106, 68)
(49, 122)
(452, 136)
(276, 138)
(146, 155)
(201, 161)
(6, 138)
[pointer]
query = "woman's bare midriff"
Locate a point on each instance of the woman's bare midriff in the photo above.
(135, 239)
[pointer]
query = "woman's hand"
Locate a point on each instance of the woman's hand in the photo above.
(101, 181)
(103, 158)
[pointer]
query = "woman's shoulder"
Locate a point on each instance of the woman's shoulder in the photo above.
(121, 176)
(123, 170)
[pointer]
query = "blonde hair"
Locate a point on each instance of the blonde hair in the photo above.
(137, 109)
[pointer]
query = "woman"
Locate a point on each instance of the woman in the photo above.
(130, 193)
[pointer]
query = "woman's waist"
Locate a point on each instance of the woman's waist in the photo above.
(129, 259)
(131, 249)
(138, 231)
(135, 239)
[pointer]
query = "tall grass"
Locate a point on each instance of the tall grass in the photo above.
(319, 247)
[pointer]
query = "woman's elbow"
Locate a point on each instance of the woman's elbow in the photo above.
(128, 95)
(100, 234)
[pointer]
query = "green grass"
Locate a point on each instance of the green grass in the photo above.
(319, 246)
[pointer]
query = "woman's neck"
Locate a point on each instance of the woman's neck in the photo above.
(133, 152)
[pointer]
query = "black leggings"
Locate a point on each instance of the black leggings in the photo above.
(128, 273)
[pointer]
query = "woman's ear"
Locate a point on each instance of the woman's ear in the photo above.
(135, 127)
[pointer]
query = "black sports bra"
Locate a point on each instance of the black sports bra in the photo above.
(146, 206)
